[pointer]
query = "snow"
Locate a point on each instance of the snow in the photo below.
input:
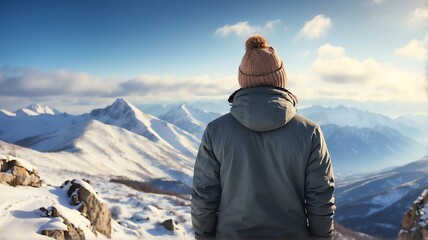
(140, 216)
(23, 163)
(55, 223)
(386, 200)
(424, 215)
(97, 148)
(43, 109)
(6, 112)
(189, 119)
(125, 115)
(85, 185)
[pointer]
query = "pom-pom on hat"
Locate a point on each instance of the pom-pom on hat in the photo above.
(261, 65)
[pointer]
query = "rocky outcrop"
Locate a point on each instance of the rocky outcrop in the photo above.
(15, 171)
(414, 225)
(59, 227)
(90, 204)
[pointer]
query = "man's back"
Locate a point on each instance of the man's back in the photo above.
(265, 177)
(262, 171)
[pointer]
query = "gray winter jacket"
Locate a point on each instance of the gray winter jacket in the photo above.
(263, 171)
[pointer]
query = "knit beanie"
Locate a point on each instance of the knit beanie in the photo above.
(261, 65)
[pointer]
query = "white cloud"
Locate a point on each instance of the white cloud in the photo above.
(316, 27)
(244, 29)
(420, 14)
(336, 75)
(377, 1)
(30, 83)
(414, 49)
(329, 51)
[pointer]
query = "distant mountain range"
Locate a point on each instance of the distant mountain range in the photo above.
(353, 117)
(125, 140)
(189, 118)
(358, 141)
(32, 110)
(365, 149)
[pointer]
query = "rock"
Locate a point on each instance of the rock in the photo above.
(14, 173)
(414, 223)
(97, 212)
(74, 200)
(25, 178)
(54, 212)
(57, 234)
(73, 233)
(6, 178)
(425, 232)
(407, 221)
(59, 227)
(83, 209)
(403, 235)
(72, 188)
(92, 206)
(169, 225)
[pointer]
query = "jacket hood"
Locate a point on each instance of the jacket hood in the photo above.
(262, 109)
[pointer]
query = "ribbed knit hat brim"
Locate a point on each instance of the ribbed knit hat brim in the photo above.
(277, 79)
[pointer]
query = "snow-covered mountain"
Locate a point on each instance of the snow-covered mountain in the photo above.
(374, 203)
(364, 149)
(27, 129)
(92, 147)
(157, 109)
(15, 127)
(118, 135)
(190, 119)
(123, 114)
(37, 109)
(350, 116)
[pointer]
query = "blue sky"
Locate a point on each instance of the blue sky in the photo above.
(86, 53)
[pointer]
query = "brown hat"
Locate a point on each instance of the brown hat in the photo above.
(261, 65)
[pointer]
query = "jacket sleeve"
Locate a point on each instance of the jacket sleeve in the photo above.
(319, 188)
(206, 190)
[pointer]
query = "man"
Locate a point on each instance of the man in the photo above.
(263, 171)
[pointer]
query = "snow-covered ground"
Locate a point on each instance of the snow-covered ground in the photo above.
(137, 215)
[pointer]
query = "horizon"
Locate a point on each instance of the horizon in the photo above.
(78, 56)
(142, 107)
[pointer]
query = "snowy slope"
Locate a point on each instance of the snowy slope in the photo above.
(26, 126)
(123, 114)
(7, 113)
(374, 203)
(97, 148)
(137, 214)
(189, 119)
(14, 128)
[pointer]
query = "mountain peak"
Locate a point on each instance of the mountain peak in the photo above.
(120, 108)
(37, 109)
(121, 101)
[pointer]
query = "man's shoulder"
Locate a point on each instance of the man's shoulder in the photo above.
(303, 121)
(224, 119)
